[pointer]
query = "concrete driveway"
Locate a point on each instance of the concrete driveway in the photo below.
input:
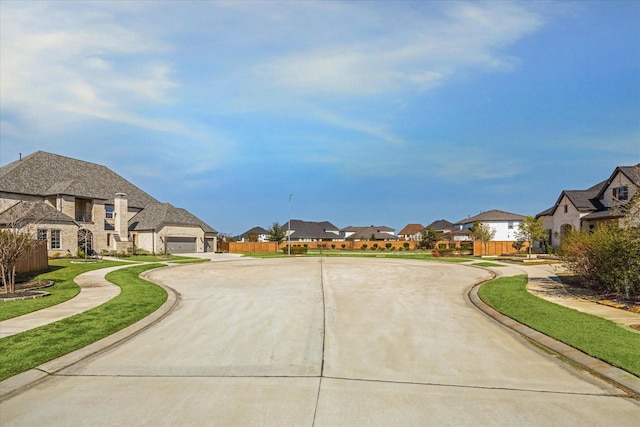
(324, 342)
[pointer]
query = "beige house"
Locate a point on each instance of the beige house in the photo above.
(587, 209)
(76, 204)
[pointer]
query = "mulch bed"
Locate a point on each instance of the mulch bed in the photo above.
(28, 289)
(575, 287)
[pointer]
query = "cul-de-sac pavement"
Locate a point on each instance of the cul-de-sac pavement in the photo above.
(321, 342)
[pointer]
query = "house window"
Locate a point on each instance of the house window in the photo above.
(42, 234)
(55, 239)
(510, 225)
(566, 208)
(108, 240)
(109, 211)
(621, 193)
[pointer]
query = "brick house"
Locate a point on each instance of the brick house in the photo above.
(76, 204)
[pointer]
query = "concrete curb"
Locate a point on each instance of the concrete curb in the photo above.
(19, 382)
(620, 378)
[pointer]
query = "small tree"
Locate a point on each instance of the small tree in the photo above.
(276, 233)
(15, 241)
(252, 237)
(531, 230)
(428, 238)
(482, 232)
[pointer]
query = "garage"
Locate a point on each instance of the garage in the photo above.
(181, 245)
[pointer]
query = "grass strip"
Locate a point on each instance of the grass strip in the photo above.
(61, 271)
(167, 258)
(137, 299)
(361, 254)
(593, 335)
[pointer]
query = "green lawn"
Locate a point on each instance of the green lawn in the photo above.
(168, 258)
(62, 271)
(137, 299)
(593, 335)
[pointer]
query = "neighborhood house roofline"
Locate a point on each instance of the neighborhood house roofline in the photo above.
(45, 174)
(492, 215)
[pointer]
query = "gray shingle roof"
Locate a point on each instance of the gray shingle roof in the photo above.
(46, 174)
(492, 215)
(311, 230)
(157, 214)
(368, 233)
(34, 212)
(440, 225)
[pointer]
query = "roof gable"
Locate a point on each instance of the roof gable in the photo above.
(45, 174)
(158, 214)
(492, 215)
(411, 229)
(33, 212)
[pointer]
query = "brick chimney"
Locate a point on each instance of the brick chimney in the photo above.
(121, 220)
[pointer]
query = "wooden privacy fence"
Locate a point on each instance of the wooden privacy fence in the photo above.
(238, 247)
(493, 247)
(496, 248)
(35, 260)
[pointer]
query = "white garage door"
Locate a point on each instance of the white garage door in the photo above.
(181, 245)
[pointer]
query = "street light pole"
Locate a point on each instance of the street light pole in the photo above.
(289, 228)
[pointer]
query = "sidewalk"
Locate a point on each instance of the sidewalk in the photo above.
(95, 290)
(544, 283)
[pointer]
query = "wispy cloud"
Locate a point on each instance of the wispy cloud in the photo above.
(76, 58)
(415, 52)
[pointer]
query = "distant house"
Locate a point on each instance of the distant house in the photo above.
(372, 232)
(505, 224)
(411, 232)
(309, 231)
(442, 226)
(75, 204)
(258, 232)
(587, 209)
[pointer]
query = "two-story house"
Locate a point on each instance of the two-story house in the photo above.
(372, 232)
(311, 231)
(505, 225)
(75, 204)
(587, 209)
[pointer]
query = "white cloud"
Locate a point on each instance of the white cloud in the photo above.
(77, 58)
(404, 53)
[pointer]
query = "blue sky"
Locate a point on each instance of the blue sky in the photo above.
(383, 113)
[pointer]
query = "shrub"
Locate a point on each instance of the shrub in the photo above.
(343, 246)
(388, 245)
(296, 250)
(374, 246)
(607, 259)
(363, 247)
(406, 245)
(333, 246)
(56, 255)
(442, 246)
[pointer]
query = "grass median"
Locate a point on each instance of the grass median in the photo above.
(137, 299)
(593, 335)
(62, 271)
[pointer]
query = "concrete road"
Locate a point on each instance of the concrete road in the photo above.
(324, 342)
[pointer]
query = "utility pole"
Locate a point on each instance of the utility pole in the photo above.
(289, 228)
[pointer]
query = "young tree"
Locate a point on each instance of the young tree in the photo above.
(429, 238)
(252, 237)
(14, 242)
(277, 233)
(482, 232)
(531, 230)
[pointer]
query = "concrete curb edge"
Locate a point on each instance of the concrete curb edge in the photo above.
(17, 383)
(620, 378)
